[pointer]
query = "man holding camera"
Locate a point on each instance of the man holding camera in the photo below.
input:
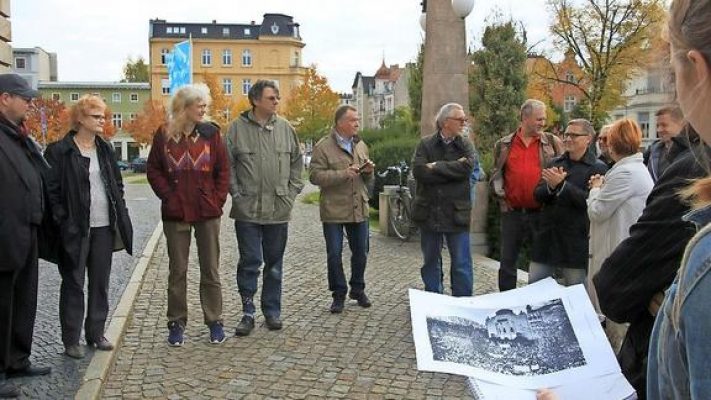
(341, 168)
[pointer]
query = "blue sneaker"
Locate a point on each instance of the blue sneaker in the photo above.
(175, 334)
(217, 334)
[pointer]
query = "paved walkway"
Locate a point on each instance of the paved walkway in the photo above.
(362, 353)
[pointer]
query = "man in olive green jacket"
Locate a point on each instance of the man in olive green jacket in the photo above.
(266, 165)
(340, 166)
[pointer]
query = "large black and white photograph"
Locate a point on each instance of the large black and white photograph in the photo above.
(536, 339)
(543, 335)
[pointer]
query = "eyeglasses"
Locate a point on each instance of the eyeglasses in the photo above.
(571, 135)
(462, 120)
(98, 117)
(273, 98)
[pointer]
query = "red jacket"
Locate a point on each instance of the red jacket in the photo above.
(191, 176)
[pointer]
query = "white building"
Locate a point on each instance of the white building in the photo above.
(649, 91)
(378, 96)
(35, 65)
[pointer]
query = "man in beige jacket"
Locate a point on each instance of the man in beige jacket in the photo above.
(340, 166)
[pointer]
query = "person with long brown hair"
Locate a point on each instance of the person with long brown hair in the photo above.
(188, 170)
(679, 350)
(87, 200)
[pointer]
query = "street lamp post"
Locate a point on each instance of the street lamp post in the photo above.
(444, 75)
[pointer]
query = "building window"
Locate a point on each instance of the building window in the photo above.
(132, 117)
(247, 58)
(117, 120)
(643, 120)
(182, 30)
(115, 97)
(20, 63)
(73, 96)
(165, 86)
(56, 97)
(569, 103)
(206, 57)
(164, 56)
(296, 31)
(227, 57)
(227, 86)
(169, 30)
(225, 32)
(570, 77)
(228, 115)
(203, 30)
(246, 85)
(295, 61)
(247, 31)
(134, 97)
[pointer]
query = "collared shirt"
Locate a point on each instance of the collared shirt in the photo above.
(445, 139)
(345, 143)
(522, 172)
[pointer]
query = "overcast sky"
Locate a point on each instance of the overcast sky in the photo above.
(93, 39)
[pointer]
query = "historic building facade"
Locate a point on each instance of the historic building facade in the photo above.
(236, 54)
(378, 96)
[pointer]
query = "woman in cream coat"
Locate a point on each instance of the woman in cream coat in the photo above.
(615, 202)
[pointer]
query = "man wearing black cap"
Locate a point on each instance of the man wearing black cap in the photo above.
(22, 205)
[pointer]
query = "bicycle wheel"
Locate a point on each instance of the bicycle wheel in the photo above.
(399, 217)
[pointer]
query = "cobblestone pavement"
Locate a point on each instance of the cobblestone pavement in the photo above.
(362, 353)
(47, 346)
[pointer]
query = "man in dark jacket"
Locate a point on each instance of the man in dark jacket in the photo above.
(442, 166)
(660, 154)
(645, 264)
(563, 191)
(21, 168)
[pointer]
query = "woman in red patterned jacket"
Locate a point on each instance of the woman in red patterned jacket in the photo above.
(188, 170)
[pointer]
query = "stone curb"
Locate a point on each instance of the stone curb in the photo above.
(101, 362)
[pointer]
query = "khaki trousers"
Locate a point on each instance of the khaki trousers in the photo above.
(207, 235)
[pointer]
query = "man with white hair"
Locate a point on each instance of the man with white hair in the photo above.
(519, 159)
(442, 167)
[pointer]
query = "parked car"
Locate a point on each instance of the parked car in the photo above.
(123, 165)
(139, 164)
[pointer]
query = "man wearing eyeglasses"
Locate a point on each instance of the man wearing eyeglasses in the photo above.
(519, 159)
(563, 192)
(442, 167)
(23, 207)
(266, 165)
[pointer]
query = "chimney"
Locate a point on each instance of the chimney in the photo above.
(253, 23)
(214, 21)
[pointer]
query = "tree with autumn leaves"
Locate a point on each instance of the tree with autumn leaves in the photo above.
(56, 121)
(223, 108)
(311, 105)
(144, 126)
(611, 41)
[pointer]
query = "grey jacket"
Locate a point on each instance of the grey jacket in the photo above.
(266, 165)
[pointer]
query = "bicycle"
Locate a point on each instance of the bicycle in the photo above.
(400, 204)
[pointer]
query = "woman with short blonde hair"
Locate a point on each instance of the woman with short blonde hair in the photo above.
(87, 200)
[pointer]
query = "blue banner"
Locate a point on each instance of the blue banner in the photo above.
(180, 72)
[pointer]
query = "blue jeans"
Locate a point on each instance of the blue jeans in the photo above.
(357, 234)
(462, 274)
(260, 244)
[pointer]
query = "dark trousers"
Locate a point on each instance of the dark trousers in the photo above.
(18, 306)
(517, 228)
(261, 244)
(357, 234)
(94, 262)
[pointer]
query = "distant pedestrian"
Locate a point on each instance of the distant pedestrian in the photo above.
(519, 159)
(188, 170)
(266, 172)
(442, 167)
(603, 146)
(22, 169)
(87, 199)
(341, 168)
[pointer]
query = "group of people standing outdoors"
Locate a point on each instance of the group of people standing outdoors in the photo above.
(593, 209)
